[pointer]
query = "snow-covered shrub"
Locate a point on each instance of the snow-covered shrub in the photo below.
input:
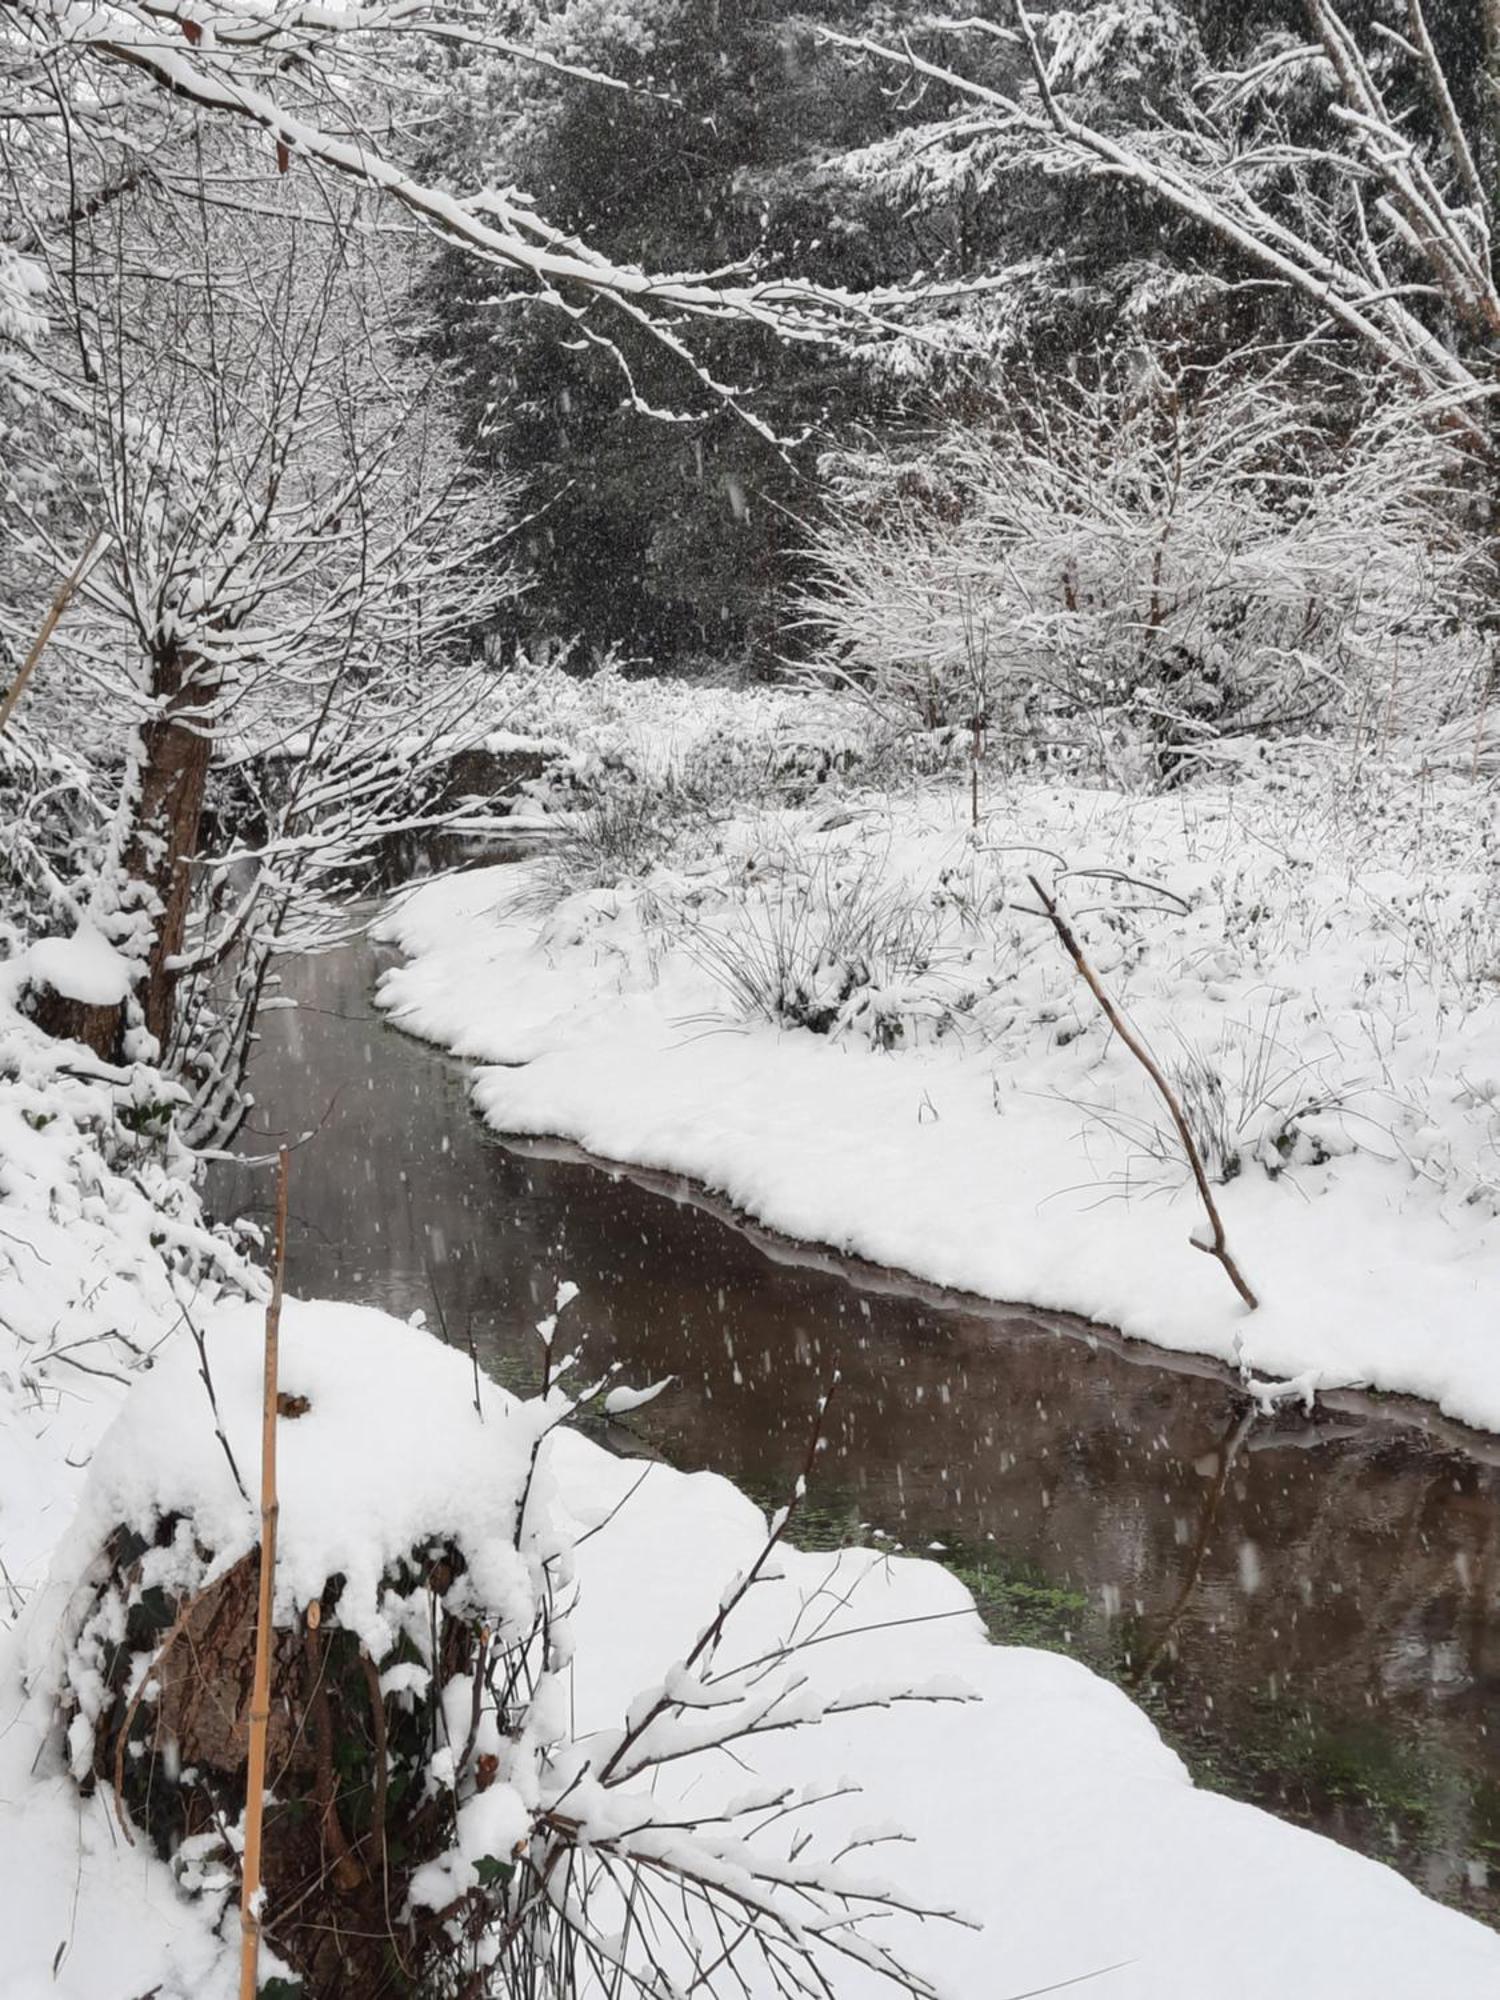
(719, 745)
(720, 769)
(831, 946)
(1170, 558)
(1248, 1100)
(104, 1252)
(101, 1229)
(435, 1825)
(49, 818)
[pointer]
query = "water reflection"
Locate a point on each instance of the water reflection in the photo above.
(1312, 1607)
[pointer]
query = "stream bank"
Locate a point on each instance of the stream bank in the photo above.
(1310, 1607)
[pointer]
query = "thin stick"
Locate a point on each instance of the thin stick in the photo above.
(49, 625)
(206, 1377)
(260, 1697)
(1219, 1248)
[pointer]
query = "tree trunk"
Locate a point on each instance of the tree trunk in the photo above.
(172, 777)
(176, 746)
(70, 1020)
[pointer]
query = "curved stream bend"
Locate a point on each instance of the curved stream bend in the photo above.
(1310, 1607)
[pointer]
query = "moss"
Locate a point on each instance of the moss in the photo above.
(1021, 1607)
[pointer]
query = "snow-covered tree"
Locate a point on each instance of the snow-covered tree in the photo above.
(100, 101)
(1188, 551)
(673, 540)
(1352, 164)
(292, 571)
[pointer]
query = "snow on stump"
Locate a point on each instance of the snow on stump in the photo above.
(432, 1824)
(77, 988)
(411, 1626)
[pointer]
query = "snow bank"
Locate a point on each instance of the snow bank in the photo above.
(1049, 1808)
(102, 1248)
(1321, 973)
(384, 1453)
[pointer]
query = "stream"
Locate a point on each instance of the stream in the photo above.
(1309, 1607)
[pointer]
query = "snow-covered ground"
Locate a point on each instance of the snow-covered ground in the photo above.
(955, 1095)
(1047, 1808)
(850, 1019)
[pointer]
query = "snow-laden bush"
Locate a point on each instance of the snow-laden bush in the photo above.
(103, 1242)
(830, 944)
(1170, 558)
(49, 818)
(104, 1253)
(717, 746)
(436, 1824)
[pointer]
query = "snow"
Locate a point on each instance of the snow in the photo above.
(925, 1130)
(619, 1402)
(1047, 1807)
(83, 967)
(369, 1381)
(1321, 971)
(102, 1244)
(102, 1247)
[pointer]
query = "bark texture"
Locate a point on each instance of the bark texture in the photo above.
(345, 1825)
(176, 747)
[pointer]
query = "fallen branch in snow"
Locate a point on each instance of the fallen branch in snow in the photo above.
(1219, 1247)
(260, 1699)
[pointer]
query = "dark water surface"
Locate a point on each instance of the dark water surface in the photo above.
(1310, 1607)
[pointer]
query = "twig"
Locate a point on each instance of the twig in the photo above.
(474, 1364)
(346, 1869)
(1219, 1248)
(213, 1402)
(260, 1698)
(708, 1639)
(49, 625)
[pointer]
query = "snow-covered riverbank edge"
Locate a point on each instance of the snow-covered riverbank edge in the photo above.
(1051, 1811)
(1322, 967)
(1048, 1809)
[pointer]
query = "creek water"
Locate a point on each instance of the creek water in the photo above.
(1308, 1605)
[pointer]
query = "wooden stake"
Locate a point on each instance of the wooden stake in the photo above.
(49, 625)
(1219, 1248)
(260, 1696)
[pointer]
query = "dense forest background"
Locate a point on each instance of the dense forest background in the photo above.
(1098, 385)
(750, 137)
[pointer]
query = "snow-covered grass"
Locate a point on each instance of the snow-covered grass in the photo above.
(850, 1018)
